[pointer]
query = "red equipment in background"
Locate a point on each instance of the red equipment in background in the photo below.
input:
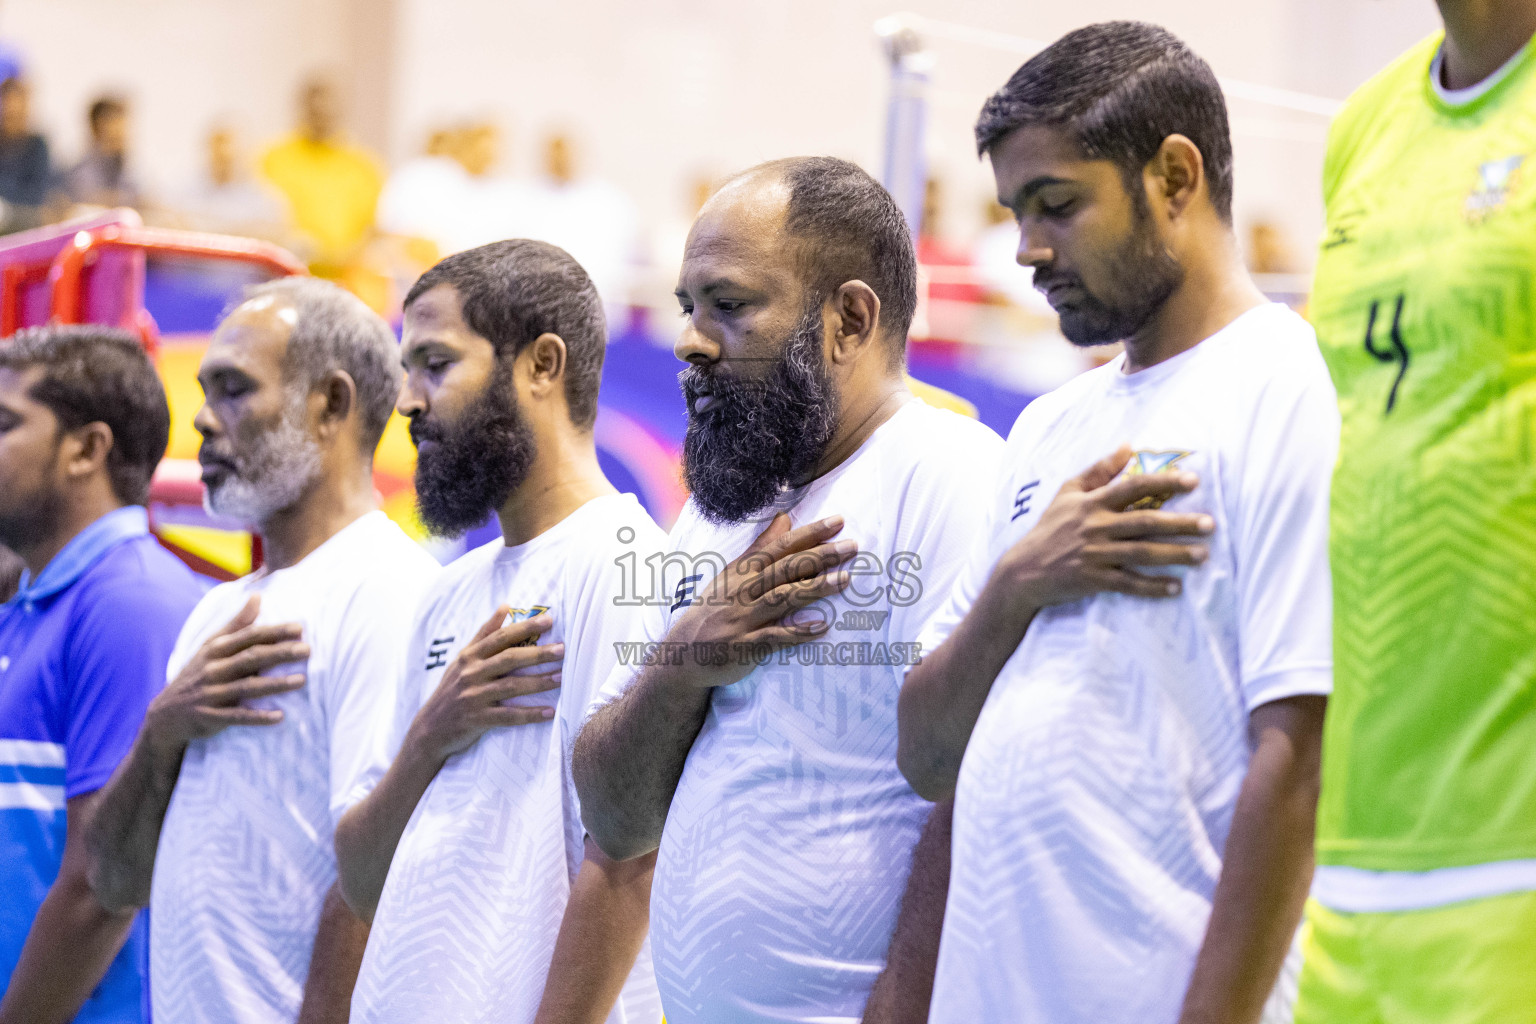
(91, 270)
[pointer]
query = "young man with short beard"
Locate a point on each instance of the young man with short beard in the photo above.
(83, 424)
(468, 854)
(1133, 811)
(221, 816)
(763, 734)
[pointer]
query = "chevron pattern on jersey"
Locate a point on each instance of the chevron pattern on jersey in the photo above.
(242, 871)
(1094, 799)
(1100, 782)
(246, 855)
(466, 926)
(790, 834)
(1432, 216)
(1434, 561)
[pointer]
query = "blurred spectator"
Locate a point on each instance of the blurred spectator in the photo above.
(11, 567)
(421, 199)
(24, 170)
(332, 186)
(226, 198)
(102, 177)
(588, 218)
(451, 197)
(1268, 250)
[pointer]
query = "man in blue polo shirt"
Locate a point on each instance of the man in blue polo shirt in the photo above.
(83, 648)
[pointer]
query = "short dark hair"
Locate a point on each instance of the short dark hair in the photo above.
(335, 330)
(512, 291)
(1119, 88)
(105, 107)
(97, 374)
(852, 230)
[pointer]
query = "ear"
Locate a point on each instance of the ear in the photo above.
(338, 398)
(853, 314)
(85, 449)
(544, 359)
(1176, 174)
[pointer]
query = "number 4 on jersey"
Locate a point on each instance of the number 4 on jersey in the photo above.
(1398, 353)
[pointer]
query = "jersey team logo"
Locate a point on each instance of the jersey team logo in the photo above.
(1143, 463)
(523, 614)
(1496, 179)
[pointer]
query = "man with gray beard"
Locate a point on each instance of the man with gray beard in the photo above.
(222, 815)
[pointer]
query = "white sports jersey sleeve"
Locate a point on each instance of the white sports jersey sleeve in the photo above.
(1279, 527)
(364, 688)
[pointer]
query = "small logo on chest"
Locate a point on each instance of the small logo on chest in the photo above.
(522, 614)
(686, 588)
(1143, 463)
(437, 652)
(1022, 500)
(1495, 180)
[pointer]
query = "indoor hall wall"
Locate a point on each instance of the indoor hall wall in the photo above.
(183, 63)
(660, 91)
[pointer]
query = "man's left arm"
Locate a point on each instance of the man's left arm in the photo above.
(338, 953)
(1279, 536)
(73, 938)
(1267, 867)
(600, 937)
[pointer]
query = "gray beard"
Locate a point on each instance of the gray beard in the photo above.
(272, 478)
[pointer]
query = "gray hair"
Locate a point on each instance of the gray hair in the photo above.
(335, 330)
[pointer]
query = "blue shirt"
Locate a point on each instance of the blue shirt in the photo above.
(83, 648)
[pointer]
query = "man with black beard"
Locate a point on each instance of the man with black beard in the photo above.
(221, 816)
(756, 746)
(468, 854)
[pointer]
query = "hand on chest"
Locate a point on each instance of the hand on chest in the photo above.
(1034, 484)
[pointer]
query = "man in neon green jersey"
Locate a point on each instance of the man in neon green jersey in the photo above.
(1424, 905)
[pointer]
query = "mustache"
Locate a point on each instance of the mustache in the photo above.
(422, 429)
(700, 381)
(1046, 278)
(208, 453)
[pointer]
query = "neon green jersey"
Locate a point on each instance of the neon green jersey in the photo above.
(1425, 306)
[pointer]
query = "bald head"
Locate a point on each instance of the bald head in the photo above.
(839, 223)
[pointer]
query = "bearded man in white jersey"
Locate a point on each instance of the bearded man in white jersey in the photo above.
(1133, 811)
(221, 816)
(468, 855)
(758, 724)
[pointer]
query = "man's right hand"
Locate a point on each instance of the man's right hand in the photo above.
(209, 693)
(1090, 540)
(500, 663)
(762, 601)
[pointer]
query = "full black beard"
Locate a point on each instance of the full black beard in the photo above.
(1144, 273)
(758, 435)
(477, 462)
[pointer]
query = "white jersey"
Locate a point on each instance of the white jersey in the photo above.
(790, 835)
(246, 853)
(466, 926)
(1098, 787)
